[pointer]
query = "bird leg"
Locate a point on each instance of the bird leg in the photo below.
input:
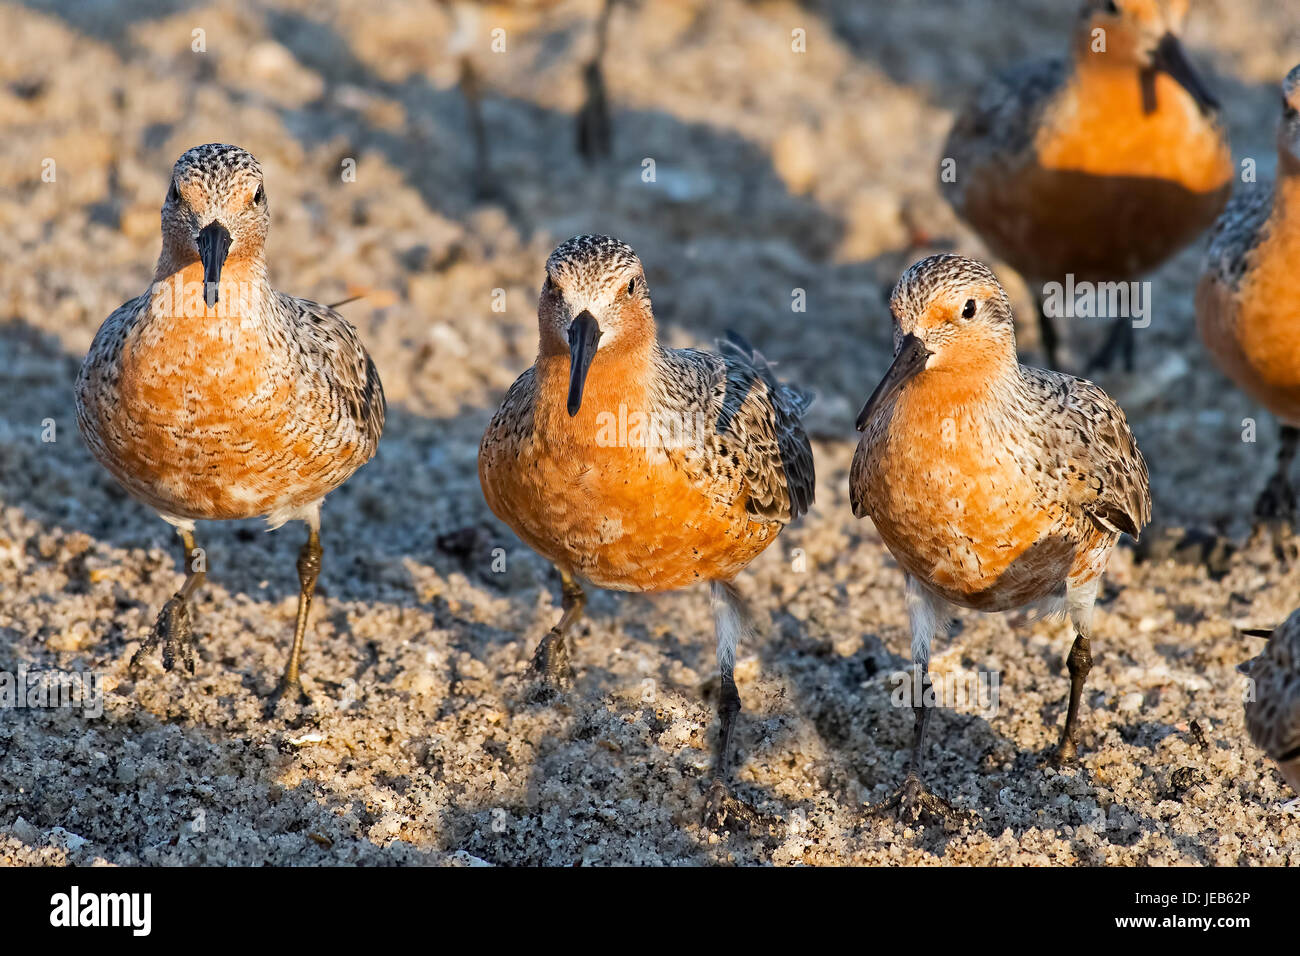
(309, 562)
(1120, 341)
(728, 708)
(912, 801)
(1080, 597)
(593, 117)
(721, 806)
(1277, 503)
(173, 627)
(551, 659)
(731, 620)
(485, 183)
(1079, 663)
(1047, 334)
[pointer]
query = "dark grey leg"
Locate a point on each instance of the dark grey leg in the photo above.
(1079, 663)
(1120, 343)
(1048, 334)
(593, 117)
(912, 800)
(722, 810)
(1278, 500)
(173, 628)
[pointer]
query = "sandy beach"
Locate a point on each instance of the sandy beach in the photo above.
(775, 172)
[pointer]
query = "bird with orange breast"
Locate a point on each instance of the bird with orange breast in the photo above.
(1099, 166)
(1273, 709)
(994, 485)
(640, 468)
(213, 397)
(1248, 300)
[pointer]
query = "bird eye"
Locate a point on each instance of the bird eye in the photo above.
(1112, 7)
(631, 286)
(968, 310)
(259, 197)
(173, 194)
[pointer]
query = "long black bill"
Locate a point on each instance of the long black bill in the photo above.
(909, 360)
(584, 336)
(1170, 58)
(214, 243)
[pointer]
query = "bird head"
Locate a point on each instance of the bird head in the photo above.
(594, 302)
(950, 315)
(216, 208)
(1141, 35)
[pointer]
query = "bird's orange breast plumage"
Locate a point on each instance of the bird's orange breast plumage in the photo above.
(203, 417)
(617, 514)
(1107, 190)
(953, 502)
(1253, 330)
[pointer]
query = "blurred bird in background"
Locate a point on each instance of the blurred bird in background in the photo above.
(1099, 166)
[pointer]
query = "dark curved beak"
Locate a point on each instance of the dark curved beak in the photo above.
(909, 360)
(584, 337)
(214, 243)
(1169, 58)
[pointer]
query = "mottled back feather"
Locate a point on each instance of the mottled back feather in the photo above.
(1273, 716)
(754, 441)
(1087, 437)
(339, 364)
(1237, 232)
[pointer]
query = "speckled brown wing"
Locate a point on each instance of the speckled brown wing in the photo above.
(1235, 233)
(96, 389)
(859, 500)
(861, 470)
(348, 383)
(1094, 454)
(513, 421)
(1273, 716)
(753, 443)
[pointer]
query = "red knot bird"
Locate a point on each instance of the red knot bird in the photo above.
(995, 486)
(1248, 300)
(640, 468)
(1097, 167)
(212, 396)
(1273, 709)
